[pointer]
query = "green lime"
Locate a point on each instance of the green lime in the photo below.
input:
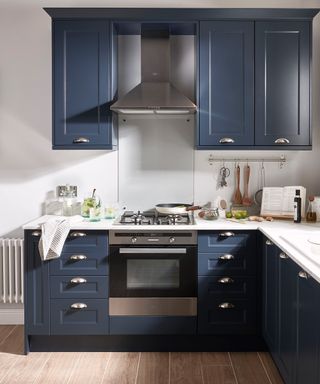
(244, 214)
(228, 215)
(238, 215)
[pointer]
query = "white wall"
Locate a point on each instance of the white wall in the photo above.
(29, 168)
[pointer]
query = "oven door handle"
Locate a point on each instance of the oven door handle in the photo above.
(153, 250)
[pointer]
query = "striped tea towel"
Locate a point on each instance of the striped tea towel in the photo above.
(54, 232)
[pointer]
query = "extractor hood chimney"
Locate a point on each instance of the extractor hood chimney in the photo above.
(155, 94)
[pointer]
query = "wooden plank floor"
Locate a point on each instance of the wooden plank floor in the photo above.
(130, 367)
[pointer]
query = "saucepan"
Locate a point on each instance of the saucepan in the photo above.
(176, 208)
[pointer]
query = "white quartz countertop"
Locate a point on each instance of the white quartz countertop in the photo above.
(290, 237)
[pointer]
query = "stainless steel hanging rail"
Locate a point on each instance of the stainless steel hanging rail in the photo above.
(281, 160)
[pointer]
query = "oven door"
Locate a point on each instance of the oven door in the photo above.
(143, 272)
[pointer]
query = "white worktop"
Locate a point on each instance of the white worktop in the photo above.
(290, 237)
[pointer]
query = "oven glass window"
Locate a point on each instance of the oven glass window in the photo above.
(153, 273)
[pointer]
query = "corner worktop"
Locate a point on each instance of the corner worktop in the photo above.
(275, 231)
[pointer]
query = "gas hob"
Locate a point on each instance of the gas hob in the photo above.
(154, 218)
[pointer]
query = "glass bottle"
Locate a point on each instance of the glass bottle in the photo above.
(311, 213)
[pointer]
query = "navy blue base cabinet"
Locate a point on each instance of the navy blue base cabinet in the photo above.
(37, 289)
(291, 317)
(228, 289)
(68, 295)
(82, 85)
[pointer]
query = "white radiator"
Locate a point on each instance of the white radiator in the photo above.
(11, 271)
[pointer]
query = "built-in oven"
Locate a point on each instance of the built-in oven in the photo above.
(153, 273)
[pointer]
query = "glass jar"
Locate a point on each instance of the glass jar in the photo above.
(311, 216)
(91, 207)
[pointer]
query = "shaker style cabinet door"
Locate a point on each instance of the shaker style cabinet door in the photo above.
(81, 85)
(288, 271)
(226, 89)
(270, 294)
(37, 296)
(308, 342)
(282, 83)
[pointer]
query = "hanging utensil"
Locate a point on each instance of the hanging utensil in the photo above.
(224, 173)
(246, 199)
(258, 195)
(237, 198)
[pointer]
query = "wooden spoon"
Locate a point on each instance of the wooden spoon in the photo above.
(237, 198)
(246, 199)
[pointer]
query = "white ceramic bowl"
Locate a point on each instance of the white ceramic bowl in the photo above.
(315, 244)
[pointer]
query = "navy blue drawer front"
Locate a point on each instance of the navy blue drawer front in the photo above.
(152, 325)
(80, 263)
(227, 315)
(92, 320)
(73, 287)
(227, 260)
(209, 240)
(89, 241)
(230, 286)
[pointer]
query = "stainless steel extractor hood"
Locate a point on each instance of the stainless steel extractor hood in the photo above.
(155, 94)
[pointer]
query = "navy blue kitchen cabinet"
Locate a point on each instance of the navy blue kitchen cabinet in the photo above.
(291, 317)
(68, 295)
(87, 317)
(36, 300)
(287, 318)
(308, 340)
(226, 84)
(84, 253)
(228, 289)
(79, 285)
(82, 85)
(270, 295)
(282, 83)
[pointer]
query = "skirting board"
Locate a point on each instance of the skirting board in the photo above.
(11, 316)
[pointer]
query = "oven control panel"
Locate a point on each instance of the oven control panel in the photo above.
(123, 237)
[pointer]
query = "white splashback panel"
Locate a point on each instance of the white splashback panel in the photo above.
(156, 160)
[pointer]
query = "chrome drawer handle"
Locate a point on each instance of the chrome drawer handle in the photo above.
(268, 242)
(303, 275)
(227, 256)
(36, 233)
(226, 280)
(226, 305)
(282, 140)
(283, 256)
(78, 306)
(78, 234)
(226, 234)
(81, 140)
(78, 257)
(226, 140)
(78, 280)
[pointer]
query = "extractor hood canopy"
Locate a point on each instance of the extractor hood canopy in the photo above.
(155, 94)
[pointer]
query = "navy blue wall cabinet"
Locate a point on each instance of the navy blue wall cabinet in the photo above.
(82, 85)
(226, 83)
(254, 84)
(291, 317)
(228, 289)
(37, 312)
(282, 83)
